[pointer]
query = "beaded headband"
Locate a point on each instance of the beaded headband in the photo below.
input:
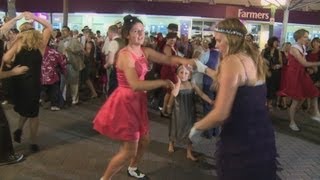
(227, 31)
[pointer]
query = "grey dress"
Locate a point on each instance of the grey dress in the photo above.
(183, 116)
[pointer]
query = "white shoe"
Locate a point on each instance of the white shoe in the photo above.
(316, 118)
(74, 102)
(4, 102)
(294, 127)
(55, 108)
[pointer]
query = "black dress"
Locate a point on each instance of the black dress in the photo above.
(26, 87)
(247, 149)
(273, 82)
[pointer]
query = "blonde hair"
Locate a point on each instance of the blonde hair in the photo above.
(235, 32)
(29, 37)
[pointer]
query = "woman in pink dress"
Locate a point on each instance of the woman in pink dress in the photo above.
(124, 115)
(299, 85)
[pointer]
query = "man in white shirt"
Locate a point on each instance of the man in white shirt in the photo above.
(115, 44)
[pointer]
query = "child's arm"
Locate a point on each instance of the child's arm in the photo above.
(201, 94)
(175, 90)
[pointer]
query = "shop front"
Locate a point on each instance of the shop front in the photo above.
(194, 19)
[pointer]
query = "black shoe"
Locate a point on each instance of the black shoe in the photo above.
(17, 135)
(138, 175)
(16, 158)
(34, 148)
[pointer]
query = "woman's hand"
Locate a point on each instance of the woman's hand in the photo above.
(195, 135)
(20, 16)
(17, 70)
(200, 66)
(168, 84)
(29, 16)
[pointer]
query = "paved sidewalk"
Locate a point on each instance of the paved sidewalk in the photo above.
(71, 150)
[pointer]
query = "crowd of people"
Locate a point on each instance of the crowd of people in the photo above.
(132, 71)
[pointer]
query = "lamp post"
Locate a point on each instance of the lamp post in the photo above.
(65, 12)
(273, 9)
(11, 8)
(273, 5)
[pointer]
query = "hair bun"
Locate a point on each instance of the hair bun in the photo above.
(128, 18)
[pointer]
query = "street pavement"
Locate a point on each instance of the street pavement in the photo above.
(72, 150)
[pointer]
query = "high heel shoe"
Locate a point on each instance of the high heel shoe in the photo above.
(165, 115)
(17, 135)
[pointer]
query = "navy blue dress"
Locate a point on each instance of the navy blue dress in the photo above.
(247, 149)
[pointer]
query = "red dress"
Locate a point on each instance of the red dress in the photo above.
(124, 115)
(298, 82)
(169, 71)
(283, 79)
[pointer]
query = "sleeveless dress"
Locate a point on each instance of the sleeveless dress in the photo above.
(26, 87)
(169, 71)
(183, 116)
(299, 84)
(247, 149)
(124, 115)
(273, 82)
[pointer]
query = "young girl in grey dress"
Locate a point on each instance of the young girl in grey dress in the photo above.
(184, 112)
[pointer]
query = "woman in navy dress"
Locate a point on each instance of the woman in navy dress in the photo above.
(246, 149)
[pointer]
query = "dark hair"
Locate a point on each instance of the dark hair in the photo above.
(173, 27)
(171, 35)
(271, 41)
(58, 34)
(212, 44)
(91, 54)
(98, 32)
(316, 39)
(129, 22)
(66, 27)
(251, 36)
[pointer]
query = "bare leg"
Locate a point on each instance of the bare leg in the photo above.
(165, 103)
(170, 103)
(171, 147)
(34, 126)
(18, 132)
(93, 91)
(22, 121)
(127, 151)
(315, 109)
(189, 153)
(292, 111)
(284, 102)
(143, 144)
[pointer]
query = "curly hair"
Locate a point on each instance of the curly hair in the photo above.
(29, 37)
